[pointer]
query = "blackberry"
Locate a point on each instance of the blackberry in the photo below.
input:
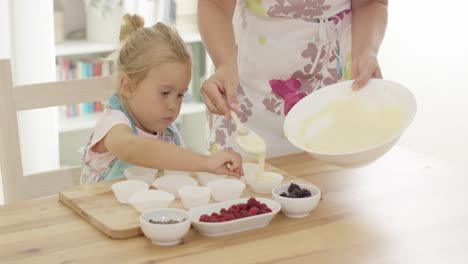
(296, 193)
(293, 187)
(283, 194)
(306, 193)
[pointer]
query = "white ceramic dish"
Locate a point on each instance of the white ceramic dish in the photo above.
(147, 200)
(265, 187)
(173, 182)
(193, 196)
(297, 207)
(226, 189)
(123, 190)
(205, 177)
(167, 172)
(233, 226)
(376, 92)
(140, 173)
(165, 234)
(250, 170)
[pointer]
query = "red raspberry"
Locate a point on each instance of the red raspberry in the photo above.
(223, 211)
(253, 211)
(234, 208)
(229, 217)
(243, 213)
(213, 219)
(268, 210)
(263, 206)
(221, 220)
(259, 204)
(205, 218)
(262, 211)
(237, 215)
(251, 202)
(242, 206)
(215, 215)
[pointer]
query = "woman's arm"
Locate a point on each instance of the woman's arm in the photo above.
(215, 24)
(369, 21)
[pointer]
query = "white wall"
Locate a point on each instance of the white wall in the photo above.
(4, 30)
(425, 49)
(4, 52)
(33, 53)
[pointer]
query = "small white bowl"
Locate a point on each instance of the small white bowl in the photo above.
(165, 234)
(168, 172)
(226, 189)
(250, 170)
(173, 182)
(265, 187)
(140, 173)
(150, 199)
(193, 196)
(297, 207)
(123, 190)
(205, 177)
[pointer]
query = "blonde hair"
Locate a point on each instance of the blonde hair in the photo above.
(145, 47)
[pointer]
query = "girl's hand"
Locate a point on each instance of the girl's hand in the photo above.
(363, 68)
(226, 162)
(220, 90)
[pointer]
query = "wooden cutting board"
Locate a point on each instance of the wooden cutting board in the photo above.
(97, 204)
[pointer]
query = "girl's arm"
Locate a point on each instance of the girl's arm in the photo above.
(215, 24)
(369, 21)
(152, 153)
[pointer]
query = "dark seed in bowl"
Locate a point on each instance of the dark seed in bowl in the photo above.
(171, 221)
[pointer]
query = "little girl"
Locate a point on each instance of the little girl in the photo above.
(154, 70)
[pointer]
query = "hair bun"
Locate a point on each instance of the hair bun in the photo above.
(131, 24)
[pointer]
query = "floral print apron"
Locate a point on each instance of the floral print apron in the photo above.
(286, 50)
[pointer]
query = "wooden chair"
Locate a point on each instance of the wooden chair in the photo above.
(16, 186)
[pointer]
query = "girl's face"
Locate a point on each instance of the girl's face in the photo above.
(155, 102)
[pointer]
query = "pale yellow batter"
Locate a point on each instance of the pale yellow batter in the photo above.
(350, 125)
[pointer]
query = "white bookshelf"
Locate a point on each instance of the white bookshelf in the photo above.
(84, 47)
(85, 122)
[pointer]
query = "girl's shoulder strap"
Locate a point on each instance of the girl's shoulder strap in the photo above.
(175, 134)
(115, 104)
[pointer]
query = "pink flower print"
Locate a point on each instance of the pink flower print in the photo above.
(289, 91)
(229, 125)
(243, 113)
(271, 104)
(220, 137)
(310, 52)
(283, 88)
(340, 16)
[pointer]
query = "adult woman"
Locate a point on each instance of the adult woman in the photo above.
(269, 54)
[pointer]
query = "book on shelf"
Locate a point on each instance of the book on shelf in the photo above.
(69, 69)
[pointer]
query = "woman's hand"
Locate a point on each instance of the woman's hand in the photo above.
(220, 91)
(226, 162)
(363, 68)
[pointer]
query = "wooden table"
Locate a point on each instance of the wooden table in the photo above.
(404, 208)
